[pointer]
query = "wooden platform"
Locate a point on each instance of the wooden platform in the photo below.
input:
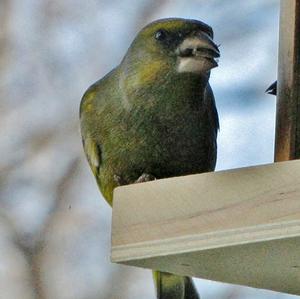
(239, 226)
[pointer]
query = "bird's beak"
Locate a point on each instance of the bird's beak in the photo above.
(197, 54)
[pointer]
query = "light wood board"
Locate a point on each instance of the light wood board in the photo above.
(239, 226)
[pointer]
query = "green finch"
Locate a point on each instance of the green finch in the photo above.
(154, 116)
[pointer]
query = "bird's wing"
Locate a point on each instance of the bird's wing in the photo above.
(92, 148)
(93, 153)
(210, 103)
(213, 127)
(96, 109)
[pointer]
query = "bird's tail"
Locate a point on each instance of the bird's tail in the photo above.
(171, 286)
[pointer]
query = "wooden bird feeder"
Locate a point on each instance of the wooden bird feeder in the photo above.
(238, 226)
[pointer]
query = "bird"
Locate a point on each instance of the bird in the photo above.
(272, 89)
(154, 116)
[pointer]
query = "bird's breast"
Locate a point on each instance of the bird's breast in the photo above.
(163, 144)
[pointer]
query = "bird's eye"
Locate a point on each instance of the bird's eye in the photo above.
(160, 34)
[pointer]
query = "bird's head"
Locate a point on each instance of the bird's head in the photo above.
(176, 45)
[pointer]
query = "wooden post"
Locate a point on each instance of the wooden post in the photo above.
(287, 144)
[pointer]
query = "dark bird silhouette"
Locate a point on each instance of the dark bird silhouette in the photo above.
(272, 89)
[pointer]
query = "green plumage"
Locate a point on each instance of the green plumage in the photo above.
(146, 117)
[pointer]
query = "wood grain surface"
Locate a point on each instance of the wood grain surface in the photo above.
(287, 144)
(238, 226)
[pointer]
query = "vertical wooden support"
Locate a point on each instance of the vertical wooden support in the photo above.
(287, 144)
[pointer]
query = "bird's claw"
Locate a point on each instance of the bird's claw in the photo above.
(145, 177)
(119, 180)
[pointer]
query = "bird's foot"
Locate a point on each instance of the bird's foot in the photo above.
(119, 180)
(145, 177)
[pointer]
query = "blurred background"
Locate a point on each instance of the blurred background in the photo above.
(54, 224)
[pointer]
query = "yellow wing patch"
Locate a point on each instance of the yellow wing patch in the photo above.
(93, 153)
